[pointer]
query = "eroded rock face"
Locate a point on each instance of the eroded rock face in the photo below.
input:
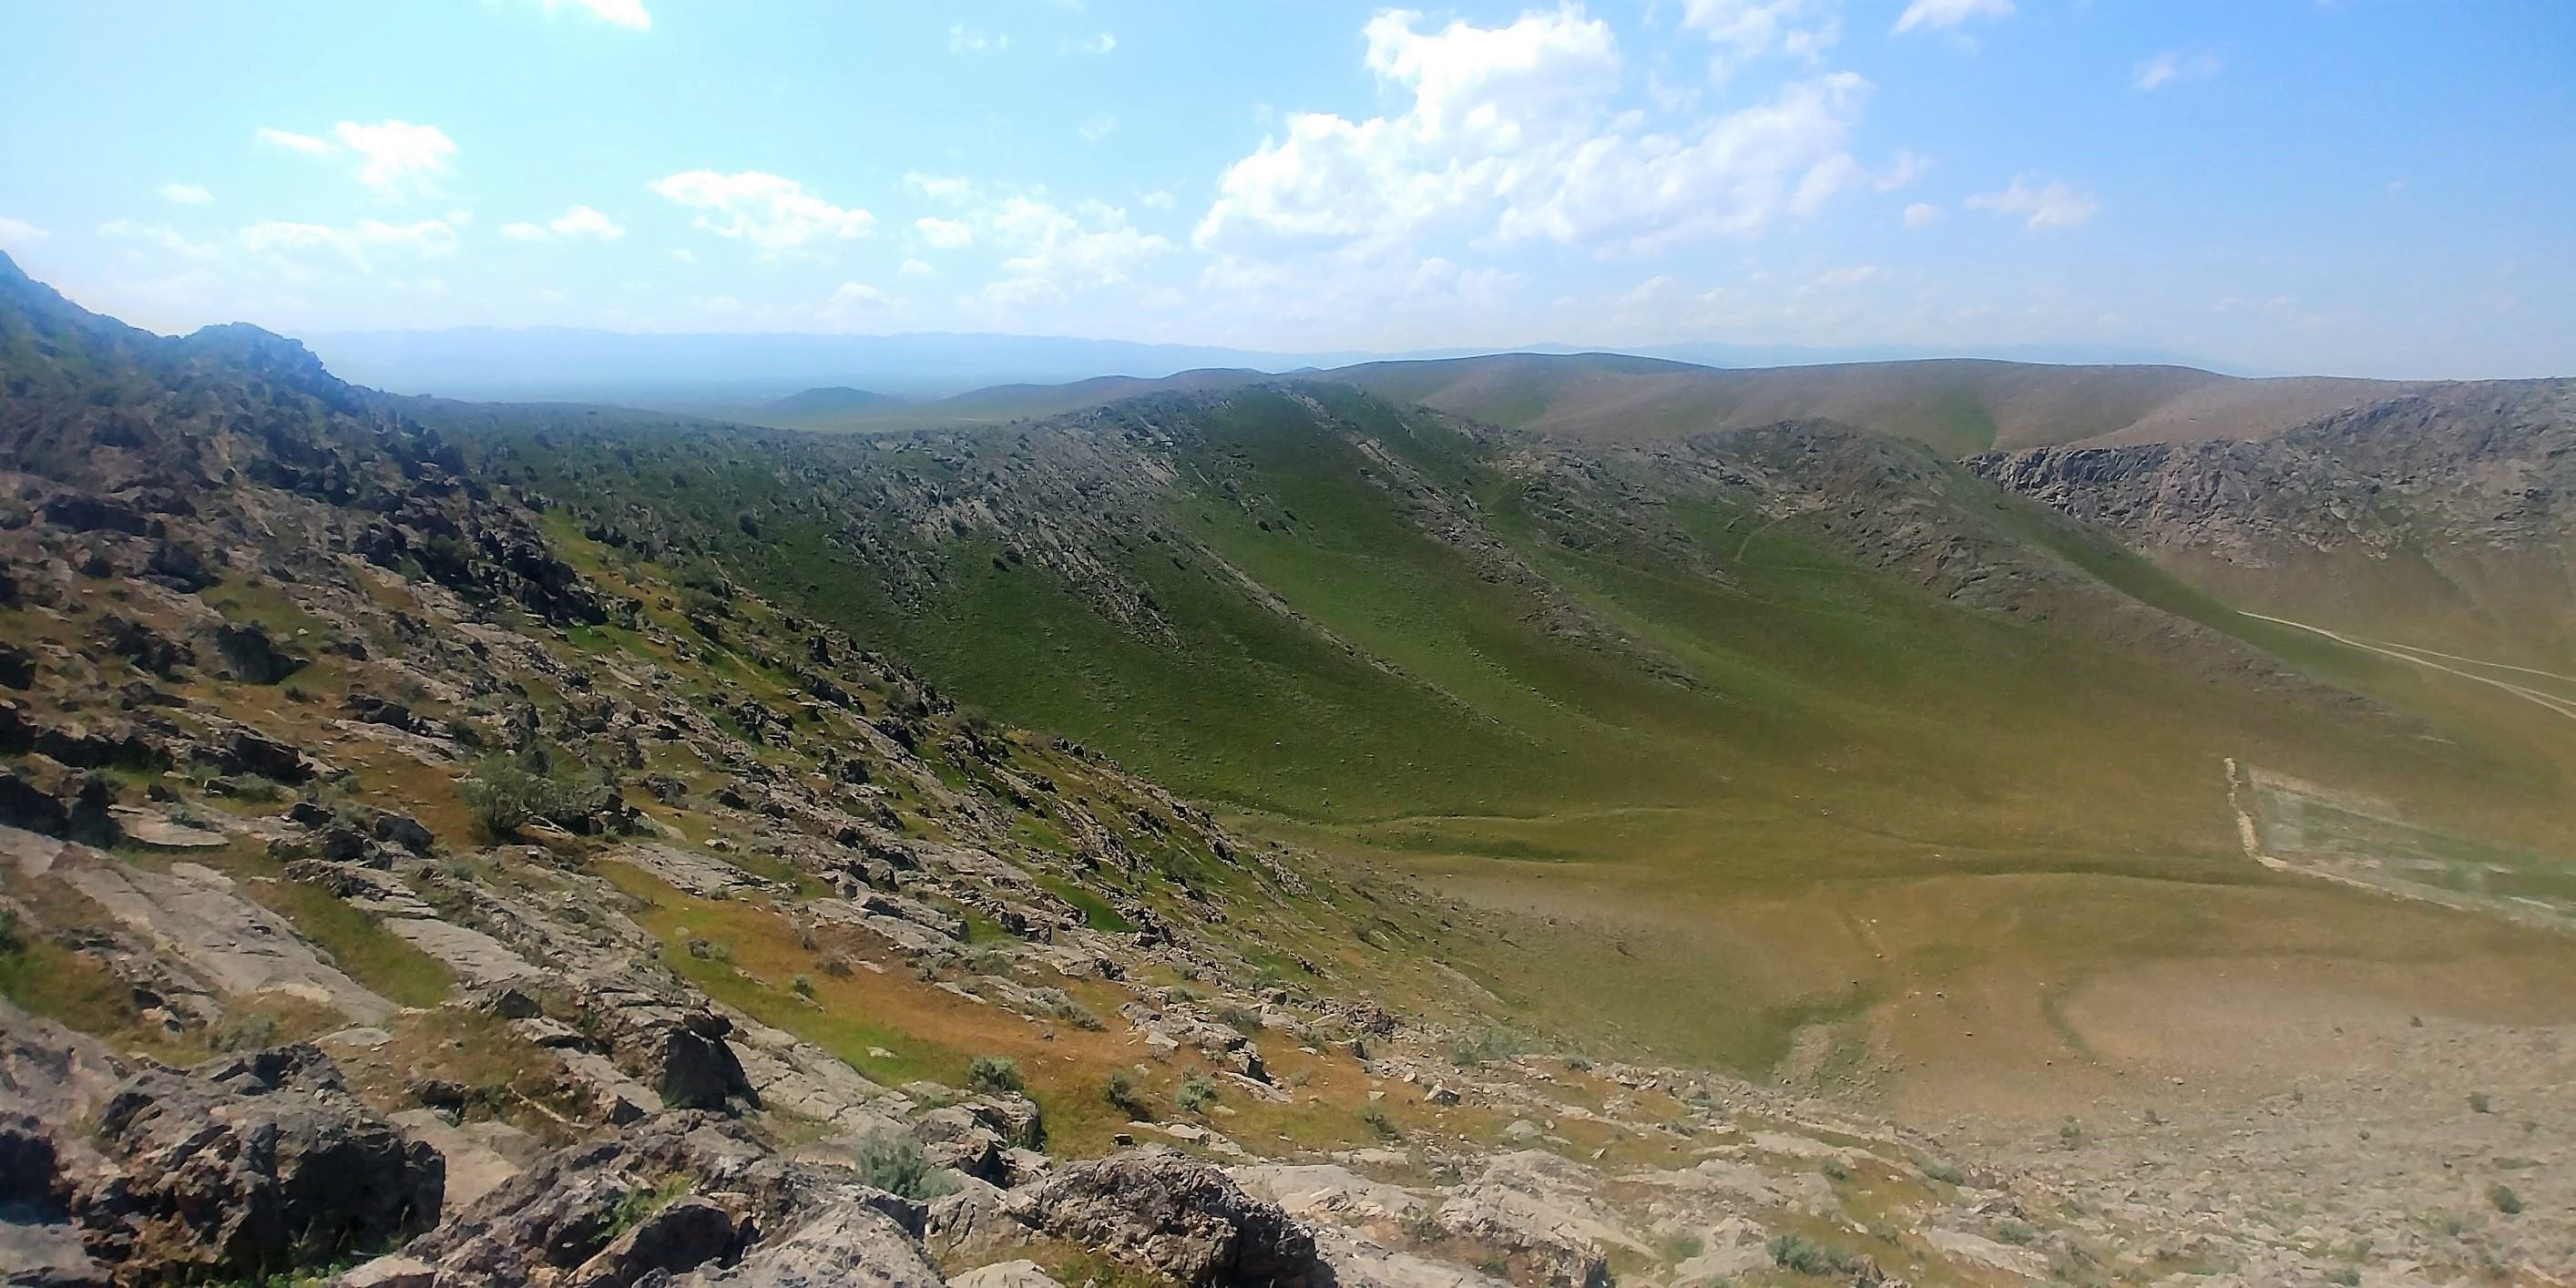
(1167, 1211)
(672, 1195)
(848, 1243)
(248, 1162)
(669, 1039)
(244, 1163)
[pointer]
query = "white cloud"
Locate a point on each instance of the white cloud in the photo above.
(945, 234)
(684, 255)
(629, 14)
(159, 235)
(916, 268)
(1053, 253)
(1394, 296)
(291, 141)
(185, 194)
(1940, 15)
(851, 295)
(526, 232)
(1512, 128)
(963, 39)
(1922, 214)
(1097, 44)
(938, 187)
(1098, 126)
(2166, 68)
(1158, 199)
(394, 157)
(1739, 173)
(2057, 204)
(1745, 30)
(551, 296)
(582, 221)
(771, 212)
(1848, 276)
(18, 232)
(421, 237)
(1904, 170)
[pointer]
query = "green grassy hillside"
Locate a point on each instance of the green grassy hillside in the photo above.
(1594, 691)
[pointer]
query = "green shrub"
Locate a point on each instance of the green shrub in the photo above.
(252, 1032)
(993, 1074)
(639, 1204)
(2016, 1232)
(1241, 1019)
(1799, 1254)
(1380, 1122)
(2481, 1103)
(506, 793)
(1468, 1050)
(896, 1165)
(1122, 1094)
(802, 986)
(2505, 1200)
(1197, 1093)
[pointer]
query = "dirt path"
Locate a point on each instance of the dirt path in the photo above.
(2425, 658)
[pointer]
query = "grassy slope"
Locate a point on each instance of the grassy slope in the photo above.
(1682, 866)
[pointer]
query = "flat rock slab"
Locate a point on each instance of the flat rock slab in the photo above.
(197, 916)
(477, 958)
(692, 871)
(480, 1156)
(144, 827)
(1005, 1274)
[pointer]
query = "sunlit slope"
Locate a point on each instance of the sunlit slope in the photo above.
(1304, 600)
(1957, 405)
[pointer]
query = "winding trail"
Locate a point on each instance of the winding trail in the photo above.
(2425, 658)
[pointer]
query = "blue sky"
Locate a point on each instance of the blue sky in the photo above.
(2272, 185)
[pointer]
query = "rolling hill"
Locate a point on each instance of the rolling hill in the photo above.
(1959, 406)
(1677, 705)
(584, 837)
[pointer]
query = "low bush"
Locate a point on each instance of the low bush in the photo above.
(993, 1075)
(896, 1165)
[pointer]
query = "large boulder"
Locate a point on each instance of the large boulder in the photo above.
(670, 1194)
(669, 1039)
(252, 654)
(846, 1243)
(248, 1163)
(1170, 1213)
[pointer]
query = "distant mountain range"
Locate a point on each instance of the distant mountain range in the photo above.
(724, 374)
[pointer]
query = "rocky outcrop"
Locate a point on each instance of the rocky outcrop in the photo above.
(242, 1164)
(249, 1162)
(849, 1242)
(1166, 1211)
(2456, 466)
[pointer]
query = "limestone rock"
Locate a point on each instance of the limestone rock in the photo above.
(1159, 1208)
